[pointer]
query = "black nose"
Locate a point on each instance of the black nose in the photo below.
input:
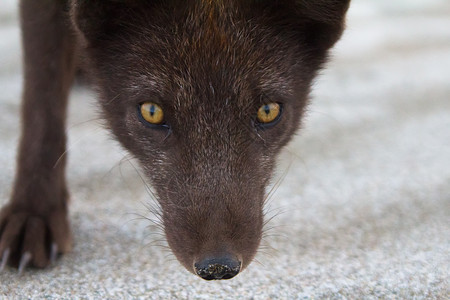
(217, 268)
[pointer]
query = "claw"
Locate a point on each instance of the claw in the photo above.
(4, 260)
(24, 261)
(53, 253)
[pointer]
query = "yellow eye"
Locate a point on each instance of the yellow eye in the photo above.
(268, 113)
(152, 113)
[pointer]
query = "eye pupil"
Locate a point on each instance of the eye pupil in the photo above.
(152, 110)
(267, 109)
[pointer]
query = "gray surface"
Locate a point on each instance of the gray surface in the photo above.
(363, 211)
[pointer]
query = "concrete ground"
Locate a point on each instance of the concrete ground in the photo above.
(362, 213)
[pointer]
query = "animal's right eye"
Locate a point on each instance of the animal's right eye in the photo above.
(269, 114)
(151, 113)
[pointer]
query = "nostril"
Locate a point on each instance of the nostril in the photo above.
(217, 268)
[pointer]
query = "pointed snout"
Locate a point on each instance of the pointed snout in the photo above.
(217, 268)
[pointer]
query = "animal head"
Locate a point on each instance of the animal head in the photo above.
(205, 94)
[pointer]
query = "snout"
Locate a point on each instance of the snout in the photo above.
(216, 268)
(215, 237)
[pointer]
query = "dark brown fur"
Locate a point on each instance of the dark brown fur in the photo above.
(210, 65)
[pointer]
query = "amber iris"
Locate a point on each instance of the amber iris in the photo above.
(268, 113)
(152, 113)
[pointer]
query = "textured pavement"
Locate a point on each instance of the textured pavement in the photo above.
(362, 213)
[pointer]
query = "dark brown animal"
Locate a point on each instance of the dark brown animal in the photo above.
(204, 93)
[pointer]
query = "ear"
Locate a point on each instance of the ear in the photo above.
(323, 21)
(98, 20)
(316, 23)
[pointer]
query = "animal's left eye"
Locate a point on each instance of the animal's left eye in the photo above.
(152, 113)
(269, 114)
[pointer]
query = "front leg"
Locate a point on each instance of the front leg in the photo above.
(34, 225)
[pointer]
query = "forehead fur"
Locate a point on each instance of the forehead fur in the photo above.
(205, 50)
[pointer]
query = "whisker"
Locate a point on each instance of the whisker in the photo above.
(329, 115)
(277, 184)
(73, 144)
(118, 164)
(277, 213)
(113, 99)
(299, 158)
(278, 235)
(147, 187)
(84, 122)
(142, 217)
(158, 243)
(252, 131)
(173, 258)
(159, 234)
(259, 262)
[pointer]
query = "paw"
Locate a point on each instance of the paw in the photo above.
(28, 239)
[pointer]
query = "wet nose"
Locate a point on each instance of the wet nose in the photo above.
(217, 268)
